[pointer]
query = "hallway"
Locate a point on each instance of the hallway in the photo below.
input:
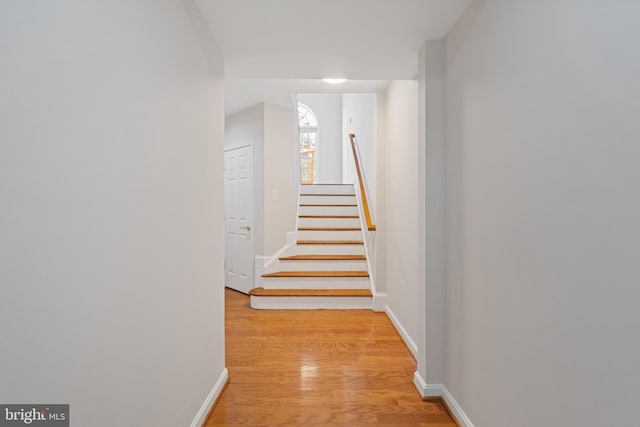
(318, 367)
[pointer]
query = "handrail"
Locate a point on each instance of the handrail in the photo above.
(367, 214)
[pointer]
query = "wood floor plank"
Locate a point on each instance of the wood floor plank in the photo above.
(318, 368)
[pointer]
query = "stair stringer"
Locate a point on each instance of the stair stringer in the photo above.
(268, 264)
(271, 263)
(369, 239)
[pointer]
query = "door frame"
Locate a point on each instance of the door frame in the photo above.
(228, 148)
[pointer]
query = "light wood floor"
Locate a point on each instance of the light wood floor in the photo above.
(318, 367)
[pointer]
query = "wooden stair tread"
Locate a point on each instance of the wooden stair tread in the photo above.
(328, 216)
(317, 274)
(261, 292)
(330, 242)
(325, 184)
(331, 206)
(328, 195)
(324, 258)
(329, 229)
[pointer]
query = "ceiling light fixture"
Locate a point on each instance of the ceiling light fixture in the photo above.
(334, 81)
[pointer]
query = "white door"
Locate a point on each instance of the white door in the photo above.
(238, 218)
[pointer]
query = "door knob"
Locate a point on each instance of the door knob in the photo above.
(246, 227)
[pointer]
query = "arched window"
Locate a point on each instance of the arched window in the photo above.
(308, 127)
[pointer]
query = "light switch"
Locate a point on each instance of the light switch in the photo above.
(274, 195)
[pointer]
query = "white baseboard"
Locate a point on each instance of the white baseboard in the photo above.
(259, 269)
(427, 390)
(292, 238)
(266, 263)
(411, 344)
(379, 301)
(201, 416)
(439, 390)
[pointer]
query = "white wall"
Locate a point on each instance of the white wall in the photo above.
(328, 110)
(271, 130)
(111, 186)
(402, 263)
(247, 128)
(379, 264)
(542, 210)
(431, 210)
(359, 118)
(280, 165)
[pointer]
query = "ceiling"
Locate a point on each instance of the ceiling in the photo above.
(273, 48)
(305, 39)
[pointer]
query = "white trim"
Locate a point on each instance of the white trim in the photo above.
(236, 146)
(411, 344)
(264, 262)
(455, 408)
(292, 237)
(260, 263)
(426, 390)
(439, 390)
(367, 237)
(379, 301)
(310, 303)
(201, 416)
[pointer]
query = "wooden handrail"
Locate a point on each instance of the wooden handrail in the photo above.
(367, 214)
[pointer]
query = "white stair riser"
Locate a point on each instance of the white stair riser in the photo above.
(327, 200)
(319, 195)
(328, 210)
(324, 265)
(328, 250)
(329, 222)
(311, 303)
(327, 189)
(329, 235)
(316, 283)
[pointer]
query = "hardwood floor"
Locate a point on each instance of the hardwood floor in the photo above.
(318, 367)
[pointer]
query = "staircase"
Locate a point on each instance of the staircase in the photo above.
(326, 267)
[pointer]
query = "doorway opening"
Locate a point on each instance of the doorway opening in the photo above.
(238, 218)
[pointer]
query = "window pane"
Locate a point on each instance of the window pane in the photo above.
(308, 128)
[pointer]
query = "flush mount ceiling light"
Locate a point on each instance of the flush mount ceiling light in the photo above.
(334, 81)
